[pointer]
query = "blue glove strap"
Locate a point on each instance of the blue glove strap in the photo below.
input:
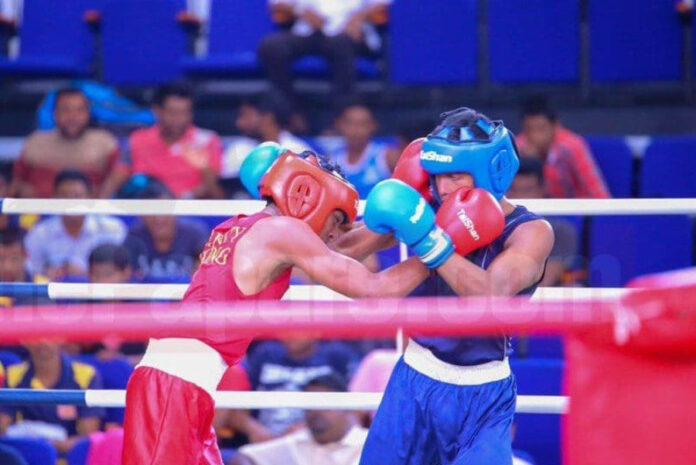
(435, 248)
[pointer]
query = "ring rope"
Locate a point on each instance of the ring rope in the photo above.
(660, 206)
(96, 291)
(253, 400)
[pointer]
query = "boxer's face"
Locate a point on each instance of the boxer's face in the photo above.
(446, 184)
(333, 227)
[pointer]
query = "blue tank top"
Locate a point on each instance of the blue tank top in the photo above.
(474, 350)
(370, 170)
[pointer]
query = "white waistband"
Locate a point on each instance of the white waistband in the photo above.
(423, 361)
(188, 359)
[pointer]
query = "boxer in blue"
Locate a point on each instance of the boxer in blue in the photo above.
(451, 400)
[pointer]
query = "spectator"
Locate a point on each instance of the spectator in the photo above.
(569, 168)
(337, 29)
(184, 157)
(259, 121)
(13, 267)
(109, 263)
(72, 145)
(49, 368)
(362, 159)
(331, 437)
(287, 366)
(58, 247)
(164, 248)
(24, 221)
(529, 184)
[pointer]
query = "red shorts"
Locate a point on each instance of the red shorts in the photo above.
(168, 421)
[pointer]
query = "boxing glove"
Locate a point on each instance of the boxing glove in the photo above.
(472, 218)
(408, 169)
(257, 163)
(394, 207)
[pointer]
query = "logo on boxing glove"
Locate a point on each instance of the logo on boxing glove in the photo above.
(420, 209)
(468, 224)
(434, 156)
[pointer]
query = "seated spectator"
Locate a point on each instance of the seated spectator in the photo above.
(259, 121)
(13, 266)
(331, 437)
(336, 29)
(164, 248)
(184, 157)
(58, 247)
(72, 145)
(109, 263)
(529, 184)
(569, 167)
(49, 368)
(24, 221)
(362, 159)
(287, 366)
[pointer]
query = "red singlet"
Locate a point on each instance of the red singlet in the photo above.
(214, 280)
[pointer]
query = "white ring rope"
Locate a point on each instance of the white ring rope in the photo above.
(251, 400)
(233, 207)
(296, 292)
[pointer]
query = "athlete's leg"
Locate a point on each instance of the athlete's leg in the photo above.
(168, 420)
(399, 434)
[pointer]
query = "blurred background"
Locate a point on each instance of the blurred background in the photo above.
(162, 99)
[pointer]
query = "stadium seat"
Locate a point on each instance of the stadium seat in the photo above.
(77, 455)
(634, 40)
(142, 41)
(433, 42)
(623, 247)
(615, 160)
(537, 347)
(55, 40)
(668, 167)
(34, 451)
(538, 435)
(236, 27)
(533, 40)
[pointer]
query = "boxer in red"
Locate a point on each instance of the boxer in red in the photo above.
(169, 404)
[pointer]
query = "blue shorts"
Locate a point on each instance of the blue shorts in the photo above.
(422, 421)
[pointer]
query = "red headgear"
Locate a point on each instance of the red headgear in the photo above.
(302, 189)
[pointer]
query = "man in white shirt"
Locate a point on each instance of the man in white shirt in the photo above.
(336, 29)
(330, 438)
(258, 121)
(59, 247)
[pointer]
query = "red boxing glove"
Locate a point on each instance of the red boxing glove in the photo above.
(472, 217)
(408, 169)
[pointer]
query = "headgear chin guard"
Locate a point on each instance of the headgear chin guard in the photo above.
(466, 141)
(302, 189)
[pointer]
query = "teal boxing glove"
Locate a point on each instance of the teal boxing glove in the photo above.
(395, 207)
(256, 164)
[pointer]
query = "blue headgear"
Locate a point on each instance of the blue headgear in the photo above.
(466, 141)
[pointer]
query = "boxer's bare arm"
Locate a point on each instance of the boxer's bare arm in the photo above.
(295, 244)
(360, 242)
(519, 266)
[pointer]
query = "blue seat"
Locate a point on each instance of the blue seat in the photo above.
(56, 40)
(34, 451)
(634, 40)
(317, 66)
(623, 247)
(142, 41)
(533, 40)
(433, 42)
(77, 455)
(236, 28)
(668, 168)
(615, 161)
(538, 347)
(537, 434)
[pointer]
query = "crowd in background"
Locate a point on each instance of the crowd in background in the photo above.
(175, 159)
